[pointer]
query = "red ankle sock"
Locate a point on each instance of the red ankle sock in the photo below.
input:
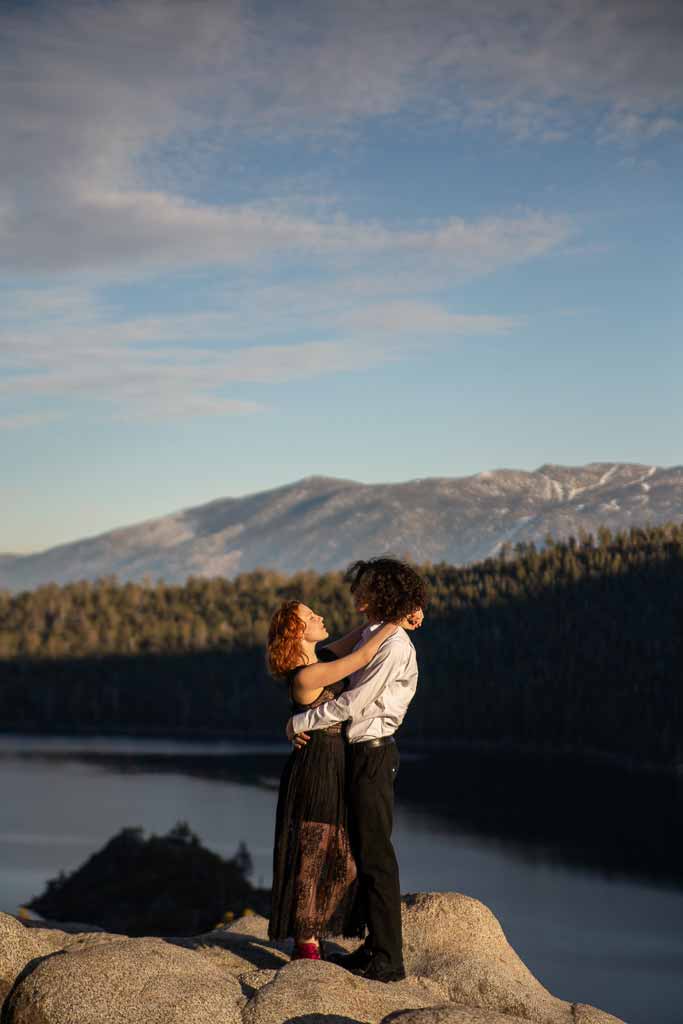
(306, 951)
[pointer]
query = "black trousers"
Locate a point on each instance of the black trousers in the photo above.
(372, 771)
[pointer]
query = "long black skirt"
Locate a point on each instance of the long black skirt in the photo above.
(315, 887)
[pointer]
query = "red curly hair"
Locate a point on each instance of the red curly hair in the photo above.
(283, 650)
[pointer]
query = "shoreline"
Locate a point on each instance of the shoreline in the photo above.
(425, 746)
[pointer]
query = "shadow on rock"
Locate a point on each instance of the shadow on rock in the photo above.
(241, 946)
(322, 1018)
(26, 972)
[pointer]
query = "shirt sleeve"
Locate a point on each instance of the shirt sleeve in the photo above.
(357, 703)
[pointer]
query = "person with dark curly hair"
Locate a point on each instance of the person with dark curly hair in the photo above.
(372, 708)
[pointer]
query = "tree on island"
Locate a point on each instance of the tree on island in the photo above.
(161, 885)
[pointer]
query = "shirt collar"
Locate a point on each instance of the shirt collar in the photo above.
(373, 626)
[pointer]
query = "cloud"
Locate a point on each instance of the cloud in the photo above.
(191, 364)
(423, 319)
(103, 101)
(172, 404)
(124, 382)
(112, 114)
(137, 230)
(629, 127)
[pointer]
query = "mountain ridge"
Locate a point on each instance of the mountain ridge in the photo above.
(322, 523)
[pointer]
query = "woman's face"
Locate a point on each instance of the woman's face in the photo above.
(315, 627)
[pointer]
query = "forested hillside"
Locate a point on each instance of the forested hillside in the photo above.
(578, 646)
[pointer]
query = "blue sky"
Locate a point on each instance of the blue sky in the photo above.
(246, 243)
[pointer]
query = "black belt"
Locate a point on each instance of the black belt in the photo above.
(381, 741)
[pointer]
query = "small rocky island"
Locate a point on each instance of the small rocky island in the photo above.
(156, 885)
(461, 970)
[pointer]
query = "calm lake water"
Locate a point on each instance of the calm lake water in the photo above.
(578, 864)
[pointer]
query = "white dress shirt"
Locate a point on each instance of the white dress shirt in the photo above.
(379, 694)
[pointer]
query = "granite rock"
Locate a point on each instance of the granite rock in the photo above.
(450, 1014)
(584, 1014)
(461, 970)
(23, 941)
(126, 982)
(315, 990)
(458, 942)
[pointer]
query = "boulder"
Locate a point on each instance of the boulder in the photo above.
(461, 970)
(72, 927)
(23, 941)
(252, 981)
(584, 1014)
(126, 982)
(241, 947)
(315, 990)
(450, 1014)
(458, 942)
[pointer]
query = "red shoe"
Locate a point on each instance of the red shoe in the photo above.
(306, 951)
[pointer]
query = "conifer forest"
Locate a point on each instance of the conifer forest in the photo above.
(574, 647)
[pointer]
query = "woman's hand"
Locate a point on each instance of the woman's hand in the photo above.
(299, 739)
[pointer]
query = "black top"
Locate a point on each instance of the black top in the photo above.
(327, 693)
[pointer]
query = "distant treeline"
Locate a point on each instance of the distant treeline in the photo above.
(577, 647)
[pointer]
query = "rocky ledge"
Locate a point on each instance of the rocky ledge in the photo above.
(461, 970)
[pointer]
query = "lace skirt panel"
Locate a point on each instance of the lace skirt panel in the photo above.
(315, 889)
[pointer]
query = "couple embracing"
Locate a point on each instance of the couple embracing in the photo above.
(334, 868)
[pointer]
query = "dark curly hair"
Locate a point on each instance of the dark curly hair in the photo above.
(391, 588)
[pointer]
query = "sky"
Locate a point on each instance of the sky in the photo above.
(245, 243)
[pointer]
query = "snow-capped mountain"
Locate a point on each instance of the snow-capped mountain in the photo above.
(323, 523)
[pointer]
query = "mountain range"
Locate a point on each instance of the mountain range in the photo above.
(323, 523)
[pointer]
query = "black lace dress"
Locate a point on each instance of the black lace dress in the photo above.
(315, 890)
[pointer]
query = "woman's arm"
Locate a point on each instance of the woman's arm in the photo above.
(345, 644)
(324, 673)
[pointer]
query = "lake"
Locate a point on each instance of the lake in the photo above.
(578, 862)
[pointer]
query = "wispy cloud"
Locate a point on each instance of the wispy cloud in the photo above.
(169, 383)
(138, 230)
(155, 368)
(357, 315)
(98, 97)
(425, 320)
(112, 113)
(629, 126)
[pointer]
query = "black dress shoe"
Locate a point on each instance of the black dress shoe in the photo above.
(359, 960)
(378, 970)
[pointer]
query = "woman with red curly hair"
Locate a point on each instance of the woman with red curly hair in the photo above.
(315, 892)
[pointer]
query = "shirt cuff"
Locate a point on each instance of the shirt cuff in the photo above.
(298, 722)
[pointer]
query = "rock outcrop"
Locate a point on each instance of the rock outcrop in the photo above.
(452, 1014)
(461, 970)
(331, 992)
(21, 942)
(133, 980)
(467, 951)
